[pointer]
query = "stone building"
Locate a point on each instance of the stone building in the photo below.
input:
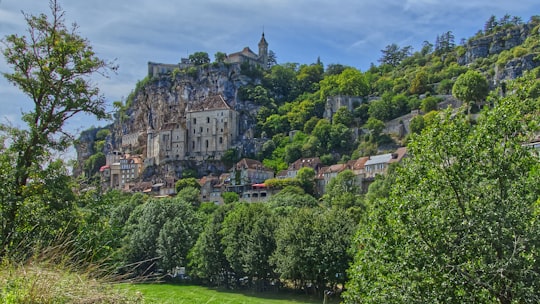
(211, 128)
(247, 55)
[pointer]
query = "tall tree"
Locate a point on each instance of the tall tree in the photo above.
(461, 222)
(51, 65)
(471, 87)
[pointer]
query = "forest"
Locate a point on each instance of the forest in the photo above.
(455, 222)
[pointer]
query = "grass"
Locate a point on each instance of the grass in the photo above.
(192, 294)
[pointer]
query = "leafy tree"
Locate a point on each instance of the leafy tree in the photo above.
(187, 182)
(417, 124)
(352, 82)
(322, 133)
(52, 66)
(199, 58)
(281, 82)
(159, 233)
(306, 179)
(419, 84)
(220, 57)
(207, 260)
(460, 225)
(343, 190)
(248, 240)
(375, 127)
(343, 116)
(308, 77)
(471, 87)
(312, 247)
(230, 197)
(393, 54)
(429, 104)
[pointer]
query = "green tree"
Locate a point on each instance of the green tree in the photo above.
(417, 124)
(460, 225)
(306, 179)
(230, 197)
(207, 259)
(375, 127)
(419, 84)
(343, 190)
(51, 66)
(220, 57)
(471, 87)
(199, 58)
(248, 241)
(187, 182)
(159, 234)
(343, 116)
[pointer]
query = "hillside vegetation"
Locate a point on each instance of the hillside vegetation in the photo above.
(455, 222)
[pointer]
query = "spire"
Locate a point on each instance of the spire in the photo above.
(263, 40)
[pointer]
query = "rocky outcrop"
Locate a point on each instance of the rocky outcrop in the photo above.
(485, 46)
(515, 67)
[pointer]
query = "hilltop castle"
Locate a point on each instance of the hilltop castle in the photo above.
(245, 55)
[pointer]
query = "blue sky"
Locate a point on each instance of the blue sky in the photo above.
(349, 32)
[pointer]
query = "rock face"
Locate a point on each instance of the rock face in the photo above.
(494, 44)
(163, 101)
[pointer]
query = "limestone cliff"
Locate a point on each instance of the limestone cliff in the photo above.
(503, 40)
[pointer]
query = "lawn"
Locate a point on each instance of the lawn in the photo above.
(191, 294)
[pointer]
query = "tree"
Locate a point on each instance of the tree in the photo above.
(220, 57)
(199, 58)
(306, 179)
(393, 54)
(375, 127)
(343, 190)
(207, 260)
(343, 116)
(471, 87)
(51, 66)
(187, 182)
(248, 240)
(230, 197)
(461, 223)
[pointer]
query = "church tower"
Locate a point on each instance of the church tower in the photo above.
(263, 52)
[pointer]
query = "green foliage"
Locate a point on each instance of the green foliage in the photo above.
(187, 182)
(321, 257)
(306, 179)
(102, 134)
(94, 163)
(230, 197)
(220, 57)
(429, 104)
(417, 124)
(342, 191)
(207, 260)
(199, 58)
(248, 241)
(52, 66)
(471, 87)
(159, 234)
(459, 225)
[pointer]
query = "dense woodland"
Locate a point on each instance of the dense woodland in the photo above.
(456, 222)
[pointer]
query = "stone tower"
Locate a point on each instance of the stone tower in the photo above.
(263, 52)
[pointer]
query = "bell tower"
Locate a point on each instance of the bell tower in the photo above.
(263, 52)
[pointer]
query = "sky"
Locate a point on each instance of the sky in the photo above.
(348, 32)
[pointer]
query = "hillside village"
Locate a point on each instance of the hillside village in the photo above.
(191, 120)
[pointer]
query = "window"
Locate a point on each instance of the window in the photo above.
(194, 121)
(207, 144)
(193, 145)
(221, 140)
(207, 119)
(200, 129)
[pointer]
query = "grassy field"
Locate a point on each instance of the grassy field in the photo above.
(191, 294)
